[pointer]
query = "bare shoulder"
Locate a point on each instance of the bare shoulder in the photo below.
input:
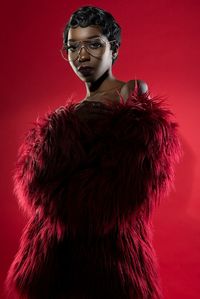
(140, 84)
(131, 85)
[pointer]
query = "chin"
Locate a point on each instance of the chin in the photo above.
(87, 78)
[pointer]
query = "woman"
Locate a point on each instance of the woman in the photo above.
(89, 174)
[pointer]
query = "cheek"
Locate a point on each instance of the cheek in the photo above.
(106, 60)
(73, 66)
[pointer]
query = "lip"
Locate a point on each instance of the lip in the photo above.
(85, 67)
(85, 70)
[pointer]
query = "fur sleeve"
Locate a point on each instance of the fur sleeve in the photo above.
(46, 156)
(150, 148)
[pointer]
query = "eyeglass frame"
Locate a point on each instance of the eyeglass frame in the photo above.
(64, 45)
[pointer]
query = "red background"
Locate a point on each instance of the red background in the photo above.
(160, 44)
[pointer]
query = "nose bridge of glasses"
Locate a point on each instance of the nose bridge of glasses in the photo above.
(83, 46)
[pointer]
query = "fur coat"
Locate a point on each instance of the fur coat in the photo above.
(89, 175)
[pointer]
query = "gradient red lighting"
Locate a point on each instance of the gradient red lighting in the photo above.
(160, 45)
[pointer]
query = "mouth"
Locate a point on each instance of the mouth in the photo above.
(85, 70)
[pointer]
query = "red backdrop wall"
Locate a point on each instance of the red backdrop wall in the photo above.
(160, 44)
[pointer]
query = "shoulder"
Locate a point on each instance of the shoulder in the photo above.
(142, 86)
(138, 86)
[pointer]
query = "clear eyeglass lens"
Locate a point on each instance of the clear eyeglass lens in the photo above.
(95, 47)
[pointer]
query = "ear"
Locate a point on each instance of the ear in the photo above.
(115, 54)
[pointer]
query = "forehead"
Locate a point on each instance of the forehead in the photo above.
(80, 33)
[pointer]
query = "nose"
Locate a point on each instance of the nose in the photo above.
(83, 54)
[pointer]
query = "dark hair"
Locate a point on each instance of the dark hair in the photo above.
(90, 15)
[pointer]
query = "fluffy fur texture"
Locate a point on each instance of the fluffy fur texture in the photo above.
(89, 176)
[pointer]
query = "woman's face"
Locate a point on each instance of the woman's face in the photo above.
(89, 58)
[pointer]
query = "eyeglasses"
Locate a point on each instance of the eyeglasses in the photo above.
(94, 46)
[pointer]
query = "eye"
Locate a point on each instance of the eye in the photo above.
(95, 44)
(72, 48)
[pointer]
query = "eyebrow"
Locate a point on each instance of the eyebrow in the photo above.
(73, 40)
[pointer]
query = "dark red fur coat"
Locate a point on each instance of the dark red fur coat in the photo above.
(89, 176)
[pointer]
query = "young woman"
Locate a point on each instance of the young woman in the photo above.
(89, 174)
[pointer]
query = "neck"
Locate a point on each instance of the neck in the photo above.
(104, 83)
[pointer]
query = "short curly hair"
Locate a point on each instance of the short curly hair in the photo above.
(90, 15)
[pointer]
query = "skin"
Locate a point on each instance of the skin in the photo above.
(100, 81)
